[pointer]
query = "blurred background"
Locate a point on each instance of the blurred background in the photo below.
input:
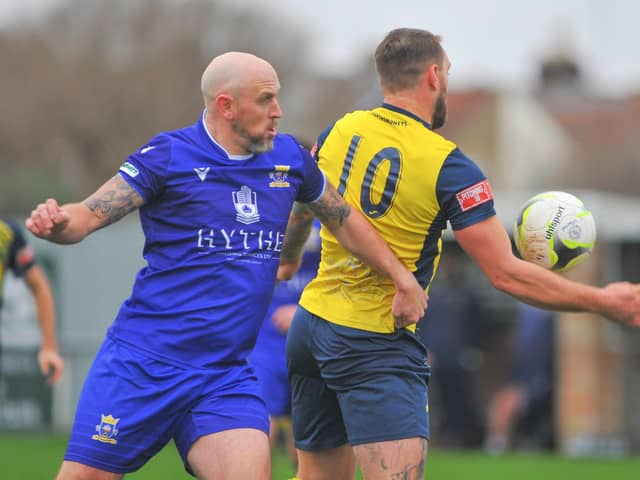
(543, 96)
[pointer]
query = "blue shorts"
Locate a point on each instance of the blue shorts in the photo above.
(275, 389)
(353, 386)
(132, 405)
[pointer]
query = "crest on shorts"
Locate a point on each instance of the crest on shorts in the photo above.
(107, 430)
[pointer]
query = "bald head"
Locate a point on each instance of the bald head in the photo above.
(230, 72)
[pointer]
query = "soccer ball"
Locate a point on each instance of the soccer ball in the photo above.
(554, 230)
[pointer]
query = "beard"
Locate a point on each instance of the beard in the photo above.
(253, 143)
(439, 112)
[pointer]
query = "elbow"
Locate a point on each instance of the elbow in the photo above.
(501, 278)
(500, 282)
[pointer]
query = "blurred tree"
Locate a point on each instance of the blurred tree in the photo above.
(92, 81)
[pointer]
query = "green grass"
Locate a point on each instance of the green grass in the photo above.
(36, 457)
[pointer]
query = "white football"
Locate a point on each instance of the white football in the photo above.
(554, 230)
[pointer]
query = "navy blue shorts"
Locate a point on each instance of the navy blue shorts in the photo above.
(131, 405)
(353, 386)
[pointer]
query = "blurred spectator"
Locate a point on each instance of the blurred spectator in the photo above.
(268, 356)
(16, 255)
(451, 332)
(521, 412)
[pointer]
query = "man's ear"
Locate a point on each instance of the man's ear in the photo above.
(224, 105)
(433, 76)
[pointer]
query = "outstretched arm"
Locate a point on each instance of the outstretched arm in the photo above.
(72, 222)
(360, 237)
(488, 243)
(49, 360)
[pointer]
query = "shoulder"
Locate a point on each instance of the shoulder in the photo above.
(286, 145)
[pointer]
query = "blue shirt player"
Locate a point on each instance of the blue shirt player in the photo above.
(214, 199)
(268, 358)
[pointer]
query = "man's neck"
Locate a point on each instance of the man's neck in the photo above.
(217, 136)
(409, 102)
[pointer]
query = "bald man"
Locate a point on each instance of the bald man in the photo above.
(214, 200)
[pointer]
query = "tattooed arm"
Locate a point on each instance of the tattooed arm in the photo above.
(359, 236)
(72, 222)
(298, 230)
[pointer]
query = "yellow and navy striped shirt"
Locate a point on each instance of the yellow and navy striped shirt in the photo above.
(15, 254)
(409, 182)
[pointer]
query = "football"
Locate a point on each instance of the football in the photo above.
(554, 230)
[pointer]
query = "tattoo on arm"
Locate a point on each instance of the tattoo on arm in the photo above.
(298, 230)
(331, 208)
(115, 199)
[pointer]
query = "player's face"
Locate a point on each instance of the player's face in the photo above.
(440, 108)
(257, 113)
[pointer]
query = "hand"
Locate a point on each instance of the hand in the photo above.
(47, 219)
(51, 365)
(409, 303)
(623, 303)
(287, 269)
(283, 316)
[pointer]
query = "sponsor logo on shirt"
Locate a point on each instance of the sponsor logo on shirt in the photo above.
(474, 195)
(146, 149)
(279, 176)
(246, 203)
(107, 430)
(241, 240)
(202, 172)
(129, 169)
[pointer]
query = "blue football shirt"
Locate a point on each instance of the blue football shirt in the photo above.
(214, 228)
(269, 351)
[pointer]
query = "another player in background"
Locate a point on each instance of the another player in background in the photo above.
(268, 357)
(521, 412)
(360, 383)
(17, 256)
(452, 330)
(214, 200)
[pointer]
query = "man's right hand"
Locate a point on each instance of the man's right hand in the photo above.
(47, 219)
(623, 303)
(409, 302)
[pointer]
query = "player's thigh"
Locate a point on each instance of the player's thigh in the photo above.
(127, 409)
(236, 454)
(404, 459)
(231, 403)
(316, 418)
(332, 464)
(78, 471)
(381, 385)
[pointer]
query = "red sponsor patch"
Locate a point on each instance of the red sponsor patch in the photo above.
(474, 195)
(24, 256)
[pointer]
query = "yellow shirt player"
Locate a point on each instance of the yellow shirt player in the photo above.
(409, 181)
(359, 379)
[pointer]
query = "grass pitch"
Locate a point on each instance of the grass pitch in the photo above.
(37, 457)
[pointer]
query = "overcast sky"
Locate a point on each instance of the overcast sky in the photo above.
(496, 41)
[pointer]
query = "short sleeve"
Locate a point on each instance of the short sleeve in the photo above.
(463, 191)
(314, 180)
(145, 170)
